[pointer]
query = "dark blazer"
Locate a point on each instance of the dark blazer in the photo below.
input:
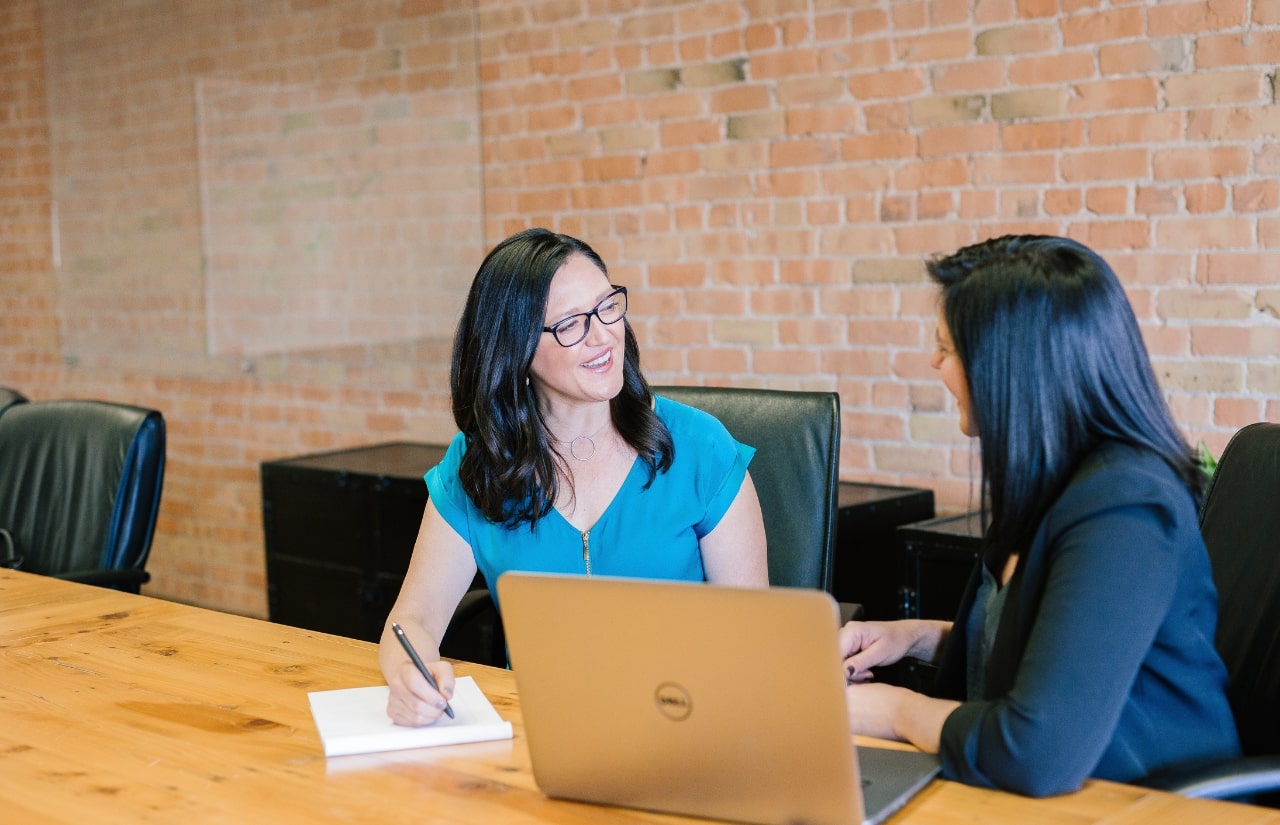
(1103, 663)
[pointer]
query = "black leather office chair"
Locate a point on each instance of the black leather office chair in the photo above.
(796, 476)
(796, 471)
(9, 397)
(80, 488)
(1240, 521)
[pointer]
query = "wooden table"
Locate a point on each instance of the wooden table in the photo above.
(124, 708)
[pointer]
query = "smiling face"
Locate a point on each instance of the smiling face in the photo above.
(590, 370)
(947, 363)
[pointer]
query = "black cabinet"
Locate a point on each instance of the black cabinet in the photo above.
(940, 555)
(869, 568)
(340, 528)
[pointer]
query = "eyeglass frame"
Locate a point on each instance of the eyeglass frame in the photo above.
(586, 324)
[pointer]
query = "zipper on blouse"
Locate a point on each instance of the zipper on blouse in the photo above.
(586, 550)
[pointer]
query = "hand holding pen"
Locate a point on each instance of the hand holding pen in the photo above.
(417, 662)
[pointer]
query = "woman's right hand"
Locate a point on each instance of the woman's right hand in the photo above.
(412, 702)
(866, 645)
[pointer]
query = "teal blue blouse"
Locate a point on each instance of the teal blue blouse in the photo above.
(651, 532)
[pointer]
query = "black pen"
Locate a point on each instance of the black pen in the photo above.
(417, 662)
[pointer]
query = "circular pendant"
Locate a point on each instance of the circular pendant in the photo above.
(573, 448)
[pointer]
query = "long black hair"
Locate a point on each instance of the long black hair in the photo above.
(509, 469)
(1055, 364)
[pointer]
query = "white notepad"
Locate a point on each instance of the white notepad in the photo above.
(354, 720)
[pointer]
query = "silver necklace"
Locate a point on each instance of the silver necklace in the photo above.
(585, 440)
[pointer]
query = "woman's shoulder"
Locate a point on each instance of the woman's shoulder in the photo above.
(1116, 474)
(684, 420)
(1120, 462)
(452, 456)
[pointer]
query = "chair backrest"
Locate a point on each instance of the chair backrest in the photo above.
(1240, 521)
(80, 484)
(796, 470)
(9, 397)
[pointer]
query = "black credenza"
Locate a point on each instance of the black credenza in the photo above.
(340, 528)
(939, 555)
(870, 568)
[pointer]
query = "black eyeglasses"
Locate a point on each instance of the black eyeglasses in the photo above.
(571, 330)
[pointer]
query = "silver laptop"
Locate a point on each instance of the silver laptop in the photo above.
(694, 699)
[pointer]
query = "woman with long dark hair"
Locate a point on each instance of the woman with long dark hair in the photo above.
(1084, 644)
(564, 462)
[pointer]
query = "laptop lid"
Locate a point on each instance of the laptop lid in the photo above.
(692, 699)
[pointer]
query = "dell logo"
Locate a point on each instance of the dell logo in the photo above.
(673, 701)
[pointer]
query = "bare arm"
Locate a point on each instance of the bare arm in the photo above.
(734, 552)
(892, 712)
(440, 571)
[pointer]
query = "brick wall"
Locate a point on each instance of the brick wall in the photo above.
(767, 176)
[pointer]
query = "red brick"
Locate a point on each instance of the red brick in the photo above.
(1110, 95)
(1171, 54)
(1147, 127)
(785, 362)
(1046, 135)
(1233, 123)
(879, 146)
(908, 15)
(1183, 19)
(1191, 163)
(1105, 164)
(1155, 200)
(1103, 200)
(1256, 196)
(822, 120)
(1015, 169)
(861, 54)
(1204, 233)
(933, 173)
(740, 99)
(881, 84)
(1063, 201)
(1240, 268)
(931, 47)
(713, 361)
(1237, 413)
(1205, 197)
(1210, 341)
(1266, 12)
(1216, 88)
(1051, 69)
(803, 153)
(968, 76)
(1111, 24)
(1018, 39)
(782, 64)
(1237, 50)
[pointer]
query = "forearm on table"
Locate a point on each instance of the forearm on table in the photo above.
(918, 719)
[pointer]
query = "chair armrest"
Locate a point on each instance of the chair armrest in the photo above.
(475, 604)
(475, 632)
(1221, 780)
(850, 612)
(126, 578)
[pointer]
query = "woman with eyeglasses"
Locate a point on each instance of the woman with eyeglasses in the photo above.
(565, 462)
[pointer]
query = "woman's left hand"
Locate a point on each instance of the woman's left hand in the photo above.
(892, 712)
(872, 707)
